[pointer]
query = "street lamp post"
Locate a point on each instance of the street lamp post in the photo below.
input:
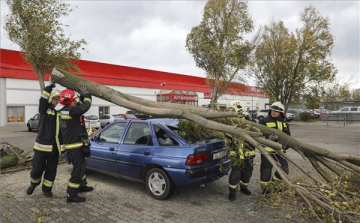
(161, 85)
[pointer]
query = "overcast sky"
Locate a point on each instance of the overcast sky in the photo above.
(152, 34)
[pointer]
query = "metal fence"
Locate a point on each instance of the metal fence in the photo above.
(347, 118)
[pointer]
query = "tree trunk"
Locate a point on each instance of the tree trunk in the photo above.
(40, 76)
(202, 116)
(8, 161)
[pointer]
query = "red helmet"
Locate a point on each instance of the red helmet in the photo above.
(67, 96)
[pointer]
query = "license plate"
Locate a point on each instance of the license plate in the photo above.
(219, 155)
(93, 122)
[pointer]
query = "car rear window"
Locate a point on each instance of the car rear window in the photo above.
(130, 116)
(91, 117)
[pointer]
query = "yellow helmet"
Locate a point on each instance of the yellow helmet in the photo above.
(54, 93)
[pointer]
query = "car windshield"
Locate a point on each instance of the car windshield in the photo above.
(91, 117)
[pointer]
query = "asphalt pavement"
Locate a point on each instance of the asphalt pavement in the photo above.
(119, 200)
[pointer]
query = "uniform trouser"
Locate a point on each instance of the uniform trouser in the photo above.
(44, 161)
(266, 168)
(78, 177)
(241, 173)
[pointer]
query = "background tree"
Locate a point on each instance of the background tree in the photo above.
(35, 27)
(286, 63)
(313, 97)
(336, 91)
(356, 95)
(217, 44)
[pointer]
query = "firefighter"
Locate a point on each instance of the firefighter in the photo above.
(76, 143)
(275, 119)
(46, 150)
(242, 155)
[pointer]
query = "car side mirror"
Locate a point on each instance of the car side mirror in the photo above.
(31, 119)
(94, 138)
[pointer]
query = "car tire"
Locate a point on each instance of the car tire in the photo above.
(158, 184)
(260, 118)
(29, 127)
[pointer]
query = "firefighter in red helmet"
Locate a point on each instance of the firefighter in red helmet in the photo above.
(46, 148)
(76, 143)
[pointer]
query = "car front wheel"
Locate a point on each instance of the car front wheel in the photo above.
(29, 127)
(158, 184)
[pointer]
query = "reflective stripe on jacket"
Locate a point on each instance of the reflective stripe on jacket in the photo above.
(71, 124)
(46, 137)
(276, 123)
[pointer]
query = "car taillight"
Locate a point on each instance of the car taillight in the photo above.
(195, 159)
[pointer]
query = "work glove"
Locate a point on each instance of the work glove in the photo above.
(274, 138)
(83, 89)
(52, 83)
(86, 151)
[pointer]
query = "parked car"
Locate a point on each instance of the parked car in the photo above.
(150, 152)
(353, 109)
(265, 112)
(252, 113)
(92, 121)
(262, 114)
(129, 117)
(289, 117)
(33, 123)
(139, 115)
(107, 119)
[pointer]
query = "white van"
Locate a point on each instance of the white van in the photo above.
(353, 109)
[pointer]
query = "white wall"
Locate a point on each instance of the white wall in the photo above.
(26, 93)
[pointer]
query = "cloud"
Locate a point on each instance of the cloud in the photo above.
(152, 34)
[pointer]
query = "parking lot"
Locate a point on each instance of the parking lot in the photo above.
(118, 200)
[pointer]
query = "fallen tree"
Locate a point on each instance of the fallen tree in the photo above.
(326, 200)
(11, 155)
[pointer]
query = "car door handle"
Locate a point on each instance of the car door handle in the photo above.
(111, 149)
(146, 153)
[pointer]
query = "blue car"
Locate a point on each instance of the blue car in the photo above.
(150, 151)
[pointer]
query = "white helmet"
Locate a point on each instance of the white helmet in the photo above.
(54, 93)
(277, 106)
(237, 106)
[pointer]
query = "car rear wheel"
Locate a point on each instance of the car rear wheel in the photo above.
(29, 127)
(260, 117)
(158, 184)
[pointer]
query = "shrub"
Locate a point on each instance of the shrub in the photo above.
(304, 116)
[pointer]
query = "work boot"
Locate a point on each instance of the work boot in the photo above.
(232, 196)
(30, 190)
(48, 193)
(85, 189)
(245, 190)
(75, 199)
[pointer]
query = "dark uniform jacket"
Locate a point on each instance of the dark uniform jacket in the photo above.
(45, 139)
(71, 123)
(276, 123)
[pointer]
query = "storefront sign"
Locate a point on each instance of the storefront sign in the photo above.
(207, 95)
